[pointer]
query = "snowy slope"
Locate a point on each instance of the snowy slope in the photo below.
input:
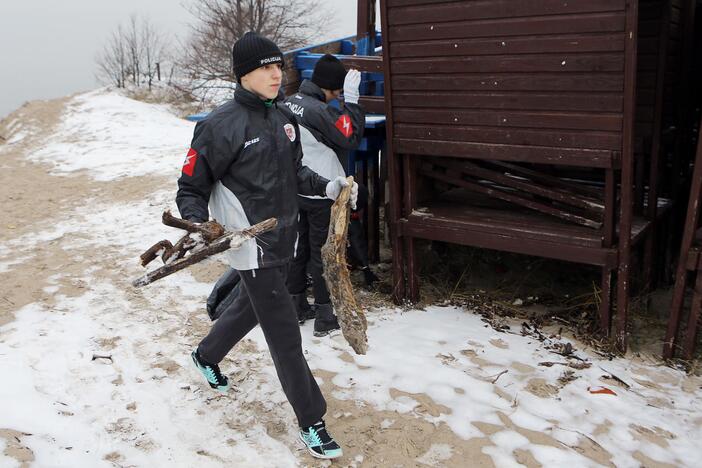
(145, 405)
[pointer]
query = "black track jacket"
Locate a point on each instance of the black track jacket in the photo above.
(245, 161)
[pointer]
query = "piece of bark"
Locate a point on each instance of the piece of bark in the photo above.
(336, 274)
(231, 240)
(179, 250)
(210, 230)
(154, 251)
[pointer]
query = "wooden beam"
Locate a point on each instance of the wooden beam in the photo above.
(627, 176)
(562, 196)
(509, 197)
(364, 63)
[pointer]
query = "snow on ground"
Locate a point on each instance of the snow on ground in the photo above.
(113, 136)
(99, 375)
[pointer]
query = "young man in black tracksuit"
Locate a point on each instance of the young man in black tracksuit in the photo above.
(245, 165)
(327, 135)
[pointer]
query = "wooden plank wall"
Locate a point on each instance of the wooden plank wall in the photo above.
(518, 80)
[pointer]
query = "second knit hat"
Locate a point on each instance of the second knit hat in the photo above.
(329, 73)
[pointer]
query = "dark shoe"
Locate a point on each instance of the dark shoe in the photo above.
(302, 307)
(318, 441)
(211, 373)
(326, 321)
(369, 277)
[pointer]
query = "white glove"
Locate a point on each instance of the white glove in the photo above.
(335, 186)
(351, 84)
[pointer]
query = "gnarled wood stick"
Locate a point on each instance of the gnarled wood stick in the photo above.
(230, 240)
(336, 274)
(210, 230)
(179, 250)
(154, 251)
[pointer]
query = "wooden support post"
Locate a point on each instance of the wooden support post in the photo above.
(365, 27)
(693, 319)
(691, 222)
(409, 166)
(627, 175)
(608, 239)
(395, 180)
(374, 212)
(654, 169)
(606, 300)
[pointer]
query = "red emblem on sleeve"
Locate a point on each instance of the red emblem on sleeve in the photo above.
(189, 163)
(344, 125)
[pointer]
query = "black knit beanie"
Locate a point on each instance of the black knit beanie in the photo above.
(253, 51)
(329, 73)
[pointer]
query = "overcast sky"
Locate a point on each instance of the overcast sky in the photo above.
(48, 47)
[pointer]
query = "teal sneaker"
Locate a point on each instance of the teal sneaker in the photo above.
(318, 441)
(211, 372)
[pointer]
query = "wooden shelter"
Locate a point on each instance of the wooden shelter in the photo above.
(533, 127)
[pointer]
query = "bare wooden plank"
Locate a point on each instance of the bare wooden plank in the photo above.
(593, 81)
(459, 231)
(566, 197)
(554, 120)
(608, 42)
(363, 63)
(549, 180)
(492, 191)
(588, 102)
(517, 136)
(401, 3)
(561, 62)
(515, 153)
(471, 208)
(562, 24)
(487, 9)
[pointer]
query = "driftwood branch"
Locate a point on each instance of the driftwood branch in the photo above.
(336, 274)
(154, 251)
(210, 230)
(179, 250)
(230, 240)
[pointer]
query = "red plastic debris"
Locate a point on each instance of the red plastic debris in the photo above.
(601, 391)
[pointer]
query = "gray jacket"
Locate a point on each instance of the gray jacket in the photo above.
(327, 134)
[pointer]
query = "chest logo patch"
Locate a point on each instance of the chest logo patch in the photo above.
(290, 132)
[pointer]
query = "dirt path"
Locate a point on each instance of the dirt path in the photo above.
(36, 200)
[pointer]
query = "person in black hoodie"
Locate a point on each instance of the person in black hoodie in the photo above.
(244, 166)
(327, 135)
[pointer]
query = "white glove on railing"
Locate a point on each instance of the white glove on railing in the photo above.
(335, 186)
(351, 84)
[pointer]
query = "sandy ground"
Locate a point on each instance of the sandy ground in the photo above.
(33, 200)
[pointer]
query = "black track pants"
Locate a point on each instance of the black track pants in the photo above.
(264, 300)
(312, 229)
